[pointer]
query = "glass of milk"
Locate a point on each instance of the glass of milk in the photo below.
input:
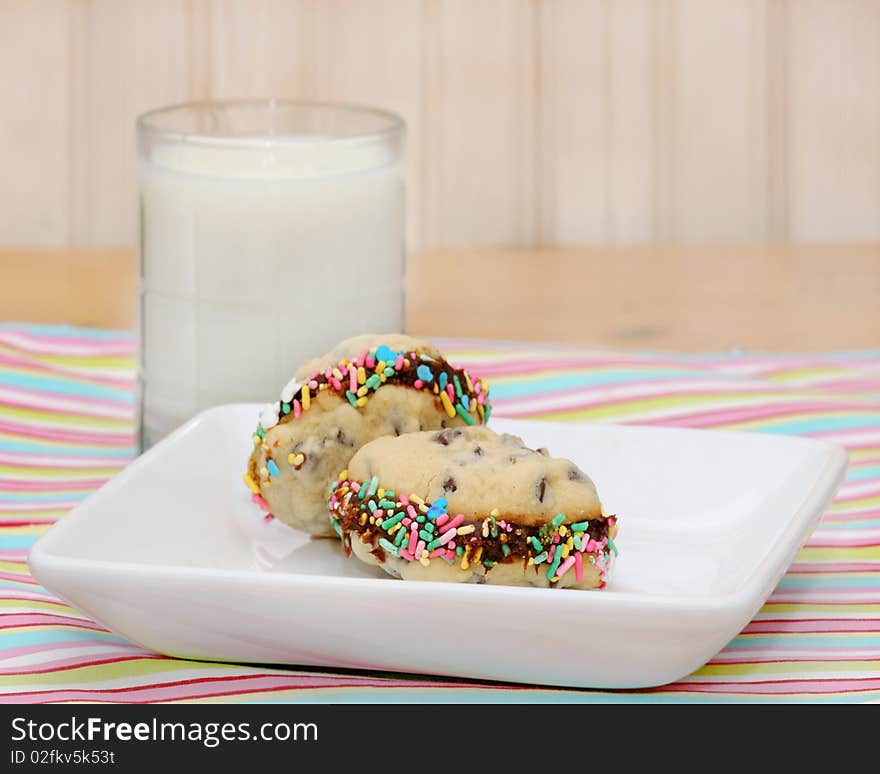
(269, 231)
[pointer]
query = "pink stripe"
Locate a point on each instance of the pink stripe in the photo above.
(844, 541)
(111, 647)
(73, 663)
(844, 496)
(59, 461)
(826, 567)
(55, 505)
(114, 439)
(816, 625)
(11, 620)
(58, 404)
(51, 484)
(818, 686)
(537, 364)
(22, 577)
(71, 346)
(35, 520)
(858, 515)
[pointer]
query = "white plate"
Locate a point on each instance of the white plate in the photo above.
(172, 554)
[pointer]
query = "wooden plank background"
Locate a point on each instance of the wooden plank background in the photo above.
(531, 122)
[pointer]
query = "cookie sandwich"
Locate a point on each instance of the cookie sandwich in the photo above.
(470, 505)
(365, 388)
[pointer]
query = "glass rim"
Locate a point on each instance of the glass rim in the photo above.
(395, 123)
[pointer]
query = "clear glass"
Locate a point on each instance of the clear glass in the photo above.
(269, 231)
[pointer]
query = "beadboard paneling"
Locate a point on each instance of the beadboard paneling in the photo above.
(478, 97)
(372, 55)
(34, 130)
(136, 57)
(260, 48)
(834, 129)
(718, 143)
(529, 121)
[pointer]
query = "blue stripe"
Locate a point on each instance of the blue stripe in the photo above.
(27, 447)
(797, 639)
(64, 387)
(541, 383)
(861, 474)
(865, 524)
(40, 497)
(810, 582)
(17, 541)
(819, 424)
(105, 334)
(21, 586)
(45, 637)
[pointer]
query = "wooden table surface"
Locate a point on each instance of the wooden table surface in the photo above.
(685, 298)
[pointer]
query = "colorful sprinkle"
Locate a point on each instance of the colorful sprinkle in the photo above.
(251, 484)
(462, 412)
(423, 531)
(447, 404)
(384, 352)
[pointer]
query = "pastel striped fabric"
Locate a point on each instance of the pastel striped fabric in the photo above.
(66, 412)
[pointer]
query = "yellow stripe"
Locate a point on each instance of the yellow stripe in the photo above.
(645, 405)
(54, 607)
(855, 505)
(803, 373)
(841, 554)
(30, 473)
(779, 667)
(857, 454)
(57, 417)
(774, 607)
(79, 677)
(49, 513)
(107, 362)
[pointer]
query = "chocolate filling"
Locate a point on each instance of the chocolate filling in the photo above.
(407, 376)
(519, 541)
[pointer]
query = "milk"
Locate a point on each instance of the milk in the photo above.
(255, 254)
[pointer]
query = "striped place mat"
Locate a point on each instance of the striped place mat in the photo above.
(66, 426)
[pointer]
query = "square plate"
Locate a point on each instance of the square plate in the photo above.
(173, 555)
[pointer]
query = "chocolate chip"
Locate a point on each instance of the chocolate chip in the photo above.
(478, 451)
(540, 489)
(449, 485)
(575, 475)
(340, 437)
(445, 436)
